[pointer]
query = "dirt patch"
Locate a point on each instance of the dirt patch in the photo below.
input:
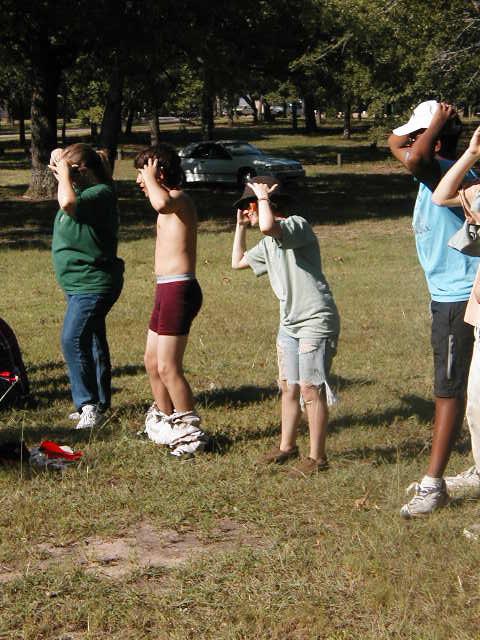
(141, 547)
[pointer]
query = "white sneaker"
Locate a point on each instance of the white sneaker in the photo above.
(472, 532)
(75, 415)
(187, 437)
(466, 482)
(157, 426)
(185, 427)
(188, 449)
(90, 417)
(425, 500)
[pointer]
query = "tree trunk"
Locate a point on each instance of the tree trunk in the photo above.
(64, 114)
(129, 121)
(309, 111)
(347, 124)
(267, 112)
(45, 83)
(112, 116)
(21, 128)
(294, 116)
(154, 128)
(207, 106)
(261, 109)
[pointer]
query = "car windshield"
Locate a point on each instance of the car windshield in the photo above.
(242, 149)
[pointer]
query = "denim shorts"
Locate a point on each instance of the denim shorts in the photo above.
(305, 360)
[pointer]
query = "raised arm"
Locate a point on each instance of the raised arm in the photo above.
(158, 194)
(267, 223)
(67, 198)
(447, 191)
(240, 242)
(417, 153)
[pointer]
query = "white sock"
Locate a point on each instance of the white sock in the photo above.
(431, 483)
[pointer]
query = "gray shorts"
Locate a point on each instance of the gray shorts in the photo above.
(306, 360)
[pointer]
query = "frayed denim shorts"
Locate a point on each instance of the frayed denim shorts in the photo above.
(306, 360)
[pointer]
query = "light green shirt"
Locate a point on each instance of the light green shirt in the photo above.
(294, 267)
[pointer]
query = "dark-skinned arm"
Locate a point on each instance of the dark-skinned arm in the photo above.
(419, 156)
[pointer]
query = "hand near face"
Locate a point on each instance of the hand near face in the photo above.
(61, 169)
(150, 170)
(242, 218)
(56, 156)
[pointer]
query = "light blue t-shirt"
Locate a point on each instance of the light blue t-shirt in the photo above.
(449, 273)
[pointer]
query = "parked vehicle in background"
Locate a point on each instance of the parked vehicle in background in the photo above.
(244, 110)
(233, 161)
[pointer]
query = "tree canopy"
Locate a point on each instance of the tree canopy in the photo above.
(112, 59)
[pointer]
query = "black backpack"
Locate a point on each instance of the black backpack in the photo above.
(14, 385)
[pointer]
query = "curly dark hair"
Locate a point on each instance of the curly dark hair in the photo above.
(168, 162)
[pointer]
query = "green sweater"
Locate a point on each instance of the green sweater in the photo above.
(84, 246)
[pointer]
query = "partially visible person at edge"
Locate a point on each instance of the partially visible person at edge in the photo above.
(426, 146)
(172, 419)
(88, 270)
(307, 338)
(451, 192)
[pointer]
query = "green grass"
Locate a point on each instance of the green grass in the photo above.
(327, 557)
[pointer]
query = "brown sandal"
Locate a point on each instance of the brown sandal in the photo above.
(277, 456)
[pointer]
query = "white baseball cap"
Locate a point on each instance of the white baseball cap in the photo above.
(421, 118)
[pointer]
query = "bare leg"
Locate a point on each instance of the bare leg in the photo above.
(317, 413)
(449, 414)
(170, 351)
(159, 390)
(290, 414)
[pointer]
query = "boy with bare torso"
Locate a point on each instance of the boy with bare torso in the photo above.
(171, 420)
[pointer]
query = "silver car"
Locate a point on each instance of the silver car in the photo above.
(233, 161)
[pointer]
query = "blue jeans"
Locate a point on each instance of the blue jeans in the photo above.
(85, 348)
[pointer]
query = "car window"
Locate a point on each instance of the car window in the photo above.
(202, 151)
(217, 152)
(242, 149)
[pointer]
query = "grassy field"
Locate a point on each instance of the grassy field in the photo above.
(131, 544)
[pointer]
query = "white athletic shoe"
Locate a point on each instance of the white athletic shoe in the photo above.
(188, 449)
(75, 415)
(91, 417)
(187, 437)
(472, 532)
(467, 482)
(157, 426)
(425, 501)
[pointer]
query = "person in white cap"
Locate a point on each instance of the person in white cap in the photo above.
(426, 146)
(451, 191)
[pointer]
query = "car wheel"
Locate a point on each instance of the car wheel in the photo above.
(244, 175)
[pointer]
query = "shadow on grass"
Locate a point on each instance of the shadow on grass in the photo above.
(249, 394)
(410, 407)
(244, 395)
(410, 449)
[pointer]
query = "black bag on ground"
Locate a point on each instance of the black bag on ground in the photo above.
(14, 385)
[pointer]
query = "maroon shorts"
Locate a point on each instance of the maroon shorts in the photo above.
(176, 305)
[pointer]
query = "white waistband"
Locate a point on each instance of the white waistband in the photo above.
(175, 278)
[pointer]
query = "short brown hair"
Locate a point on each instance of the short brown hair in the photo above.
(168, 162)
